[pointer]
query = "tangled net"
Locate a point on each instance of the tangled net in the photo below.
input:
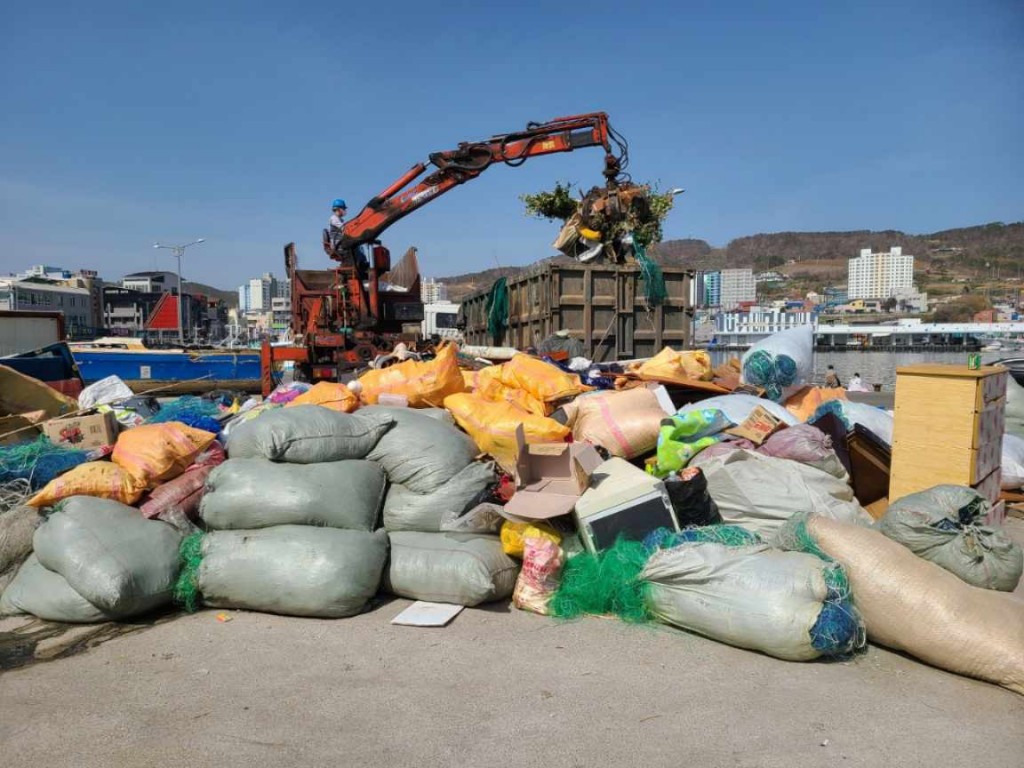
(771, 372)
(191, 411)
(186, 590)
(604, 583)
(38, 461)
(729, 535)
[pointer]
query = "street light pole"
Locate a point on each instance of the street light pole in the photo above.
(179, 252)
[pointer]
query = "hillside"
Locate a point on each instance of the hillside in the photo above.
(822, 254)
(230, 298)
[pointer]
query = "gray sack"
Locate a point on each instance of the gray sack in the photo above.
(307, 434)
(459, 568)
(256, 493)
(116, 559)
(405, 510)
(945, 525)
(17, 526)
(294, 570)
(47, 595)
(420, 452)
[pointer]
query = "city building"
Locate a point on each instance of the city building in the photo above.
(126, 311)
(738, 286)
(880, 275)
(256, 294)
(45, 272)
(432, 292)
(38, 294)
(756, 323)
(706, 289)
(151, 282)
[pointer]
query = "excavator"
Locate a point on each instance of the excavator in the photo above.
(344, 318)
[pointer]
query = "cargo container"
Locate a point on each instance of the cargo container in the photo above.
(602, 305)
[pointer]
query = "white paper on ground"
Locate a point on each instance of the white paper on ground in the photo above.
(423, 614)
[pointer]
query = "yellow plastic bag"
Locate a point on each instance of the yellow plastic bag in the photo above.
(487, 384)
(804, 403)
(425, 385)
(544, 381)
(493, 426)
(154, 453)
(329, 394)
(694, 364)
(94, 478)
(514, 536)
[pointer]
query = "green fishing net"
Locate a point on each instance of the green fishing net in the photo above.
(186, 590)
(604, 583)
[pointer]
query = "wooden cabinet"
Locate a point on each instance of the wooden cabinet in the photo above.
(948, 428)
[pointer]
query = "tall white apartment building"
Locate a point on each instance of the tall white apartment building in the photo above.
(737, 286)
(880, 275)
(433, 292)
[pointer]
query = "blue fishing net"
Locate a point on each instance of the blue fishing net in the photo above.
(839, 628)
(729, 535)
(38, 461)
(191, 411)
(771, 372)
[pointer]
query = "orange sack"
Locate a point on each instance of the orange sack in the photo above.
(329, 394)
(154, 453)
(426, 384)
(93, 478)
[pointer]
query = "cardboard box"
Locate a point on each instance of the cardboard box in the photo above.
(758, 426)
(550, 477)
(88, 431)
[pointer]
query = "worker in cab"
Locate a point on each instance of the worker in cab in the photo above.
(337, 221)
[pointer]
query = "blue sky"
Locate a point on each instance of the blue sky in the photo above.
(125, 123)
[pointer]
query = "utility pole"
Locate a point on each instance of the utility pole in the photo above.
(178, 252)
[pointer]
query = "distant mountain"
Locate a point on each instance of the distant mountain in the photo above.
(968, 248)
(230, 298)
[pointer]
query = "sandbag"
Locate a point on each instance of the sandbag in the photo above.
(17, 526)
(546, 382)
(808, 445)
(100, 479)
(47, 595)
(945, 525)
(110, 555)
(328, 394)
(154, 453)
(623, 423)
(463, 569)
(1012, 476)
(789, 605)
(308, 434)
(256, 493)
(781, 363)
(422, 451)
(737, 407)
(914, 606)
(493, 426)
(423, 383)
(293, 570)
(406, 510)
(761, 492)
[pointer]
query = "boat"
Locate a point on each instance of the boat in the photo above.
(1015, 365)
(174, 371)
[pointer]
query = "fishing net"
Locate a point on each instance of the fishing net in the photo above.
(772, 372)
(655, 290)
(496, 308)
(729, 535)
(604, 583)
(191, 411)
(186, 590)
(38, 461)
(14, 493)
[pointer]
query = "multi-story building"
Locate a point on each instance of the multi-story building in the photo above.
(880, 275)
(126, 311)
(433, 292)
(151, 282)
(756, 323)
(44, 271)
(40, 295)
(256, 294)
(738, 287)
(708, 289)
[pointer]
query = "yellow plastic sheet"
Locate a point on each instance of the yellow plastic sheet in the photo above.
(425, 384)
(694, 364)
(546, 382)
(514, 536)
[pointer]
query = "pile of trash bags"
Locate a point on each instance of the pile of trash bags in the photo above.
(321, 500)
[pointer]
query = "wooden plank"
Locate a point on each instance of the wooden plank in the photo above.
(951, 371)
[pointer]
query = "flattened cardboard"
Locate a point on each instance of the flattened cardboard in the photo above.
(550, 477)
(758, 426)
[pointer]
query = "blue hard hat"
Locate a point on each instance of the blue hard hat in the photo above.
(338, 203)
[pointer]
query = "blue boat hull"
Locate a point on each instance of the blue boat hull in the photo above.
(188, 371)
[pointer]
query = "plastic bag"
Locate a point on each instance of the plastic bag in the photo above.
(256, 493)
(688, 365)
(623, 423)
(879, 422)
(1012, 477)
(47, 595)
(101, 479)
(406, 510)
(487, 384)
(546, 382)
(308, 434)
(328, 394)
(293, 570)
(914, 606)
(424, 384)
(154, 453)
(737, 407)
(116, 559)
(493, 427)
(515, 534)
(538, 579)
(422, 451)
(807, 400)
(104, 392)
(483, 518)
(688, 493)
(945, 525)
(789, 605)
(781, 363)
(808, 445)
(683, 436)
(454, 568)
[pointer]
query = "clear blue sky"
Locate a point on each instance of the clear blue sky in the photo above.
(125, 123)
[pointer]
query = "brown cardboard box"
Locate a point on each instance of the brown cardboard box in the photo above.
(550, 477)
(758, 426)
(89, 431)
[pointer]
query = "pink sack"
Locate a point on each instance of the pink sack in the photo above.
(185, 491)
(806, 444)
